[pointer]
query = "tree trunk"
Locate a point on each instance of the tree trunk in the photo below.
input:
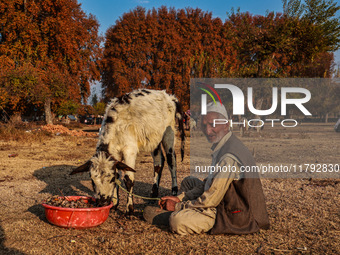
(48, 112)
(326, 118)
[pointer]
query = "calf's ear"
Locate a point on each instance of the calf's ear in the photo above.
(123, 167)
(83, 168)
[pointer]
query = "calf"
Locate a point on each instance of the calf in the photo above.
(143, 120)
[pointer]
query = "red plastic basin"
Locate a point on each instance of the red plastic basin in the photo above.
(76, 217)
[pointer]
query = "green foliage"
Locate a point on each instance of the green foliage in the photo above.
(99, 108)
(322, 13)
(292, 8)
(67, 108)
(18, 87)
(94, 99)
(321, 16)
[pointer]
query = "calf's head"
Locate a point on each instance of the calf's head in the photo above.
(103, 170)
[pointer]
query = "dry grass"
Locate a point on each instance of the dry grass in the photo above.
(304, 214)
(21, 132)
(28, 132)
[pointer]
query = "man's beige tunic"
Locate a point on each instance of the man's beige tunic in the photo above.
(197, 211)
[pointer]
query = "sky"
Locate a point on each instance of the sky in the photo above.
(108, 11)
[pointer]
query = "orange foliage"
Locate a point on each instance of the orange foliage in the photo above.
(50, 50)
(163, 48)
(57, 41)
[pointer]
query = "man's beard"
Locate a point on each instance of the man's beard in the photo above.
(215, 138)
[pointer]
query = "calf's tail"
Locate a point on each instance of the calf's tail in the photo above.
(179, 117)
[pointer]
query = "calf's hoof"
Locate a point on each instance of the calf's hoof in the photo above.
(129, 210)
(154, 192)
(174, 191)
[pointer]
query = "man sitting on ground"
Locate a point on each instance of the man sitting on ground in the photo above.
(226, 202)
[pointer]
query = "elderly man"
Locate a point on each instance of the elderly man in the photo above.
(226, 202)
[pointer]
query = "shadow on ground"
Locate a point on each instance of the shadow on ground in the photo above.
(60, 182)
(3, 248)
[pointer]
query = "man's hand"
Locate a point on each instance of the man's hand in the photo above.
(168, 203)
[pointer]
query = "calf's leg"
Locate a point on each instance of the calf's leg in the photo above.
(129, 177)
(168, 143)
(158, 163)
(129, 180)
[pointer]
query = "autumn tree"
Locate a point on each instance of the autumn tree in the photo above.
(68, 107)
(317, 33)
(163, 49)
(99, 108)
(98, 105)
(94, 99)
(58, 41)
(296, 43)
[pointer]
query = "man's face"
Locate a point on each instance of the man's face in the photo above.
(214, 134)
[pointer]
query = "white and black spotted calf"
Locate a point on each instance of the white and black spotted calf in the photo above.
(143, 120)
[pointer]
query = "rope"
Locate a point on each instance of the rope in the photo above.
(118, 182)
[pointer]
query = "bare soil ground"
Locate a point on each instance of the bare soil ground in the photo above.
(304, 213)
